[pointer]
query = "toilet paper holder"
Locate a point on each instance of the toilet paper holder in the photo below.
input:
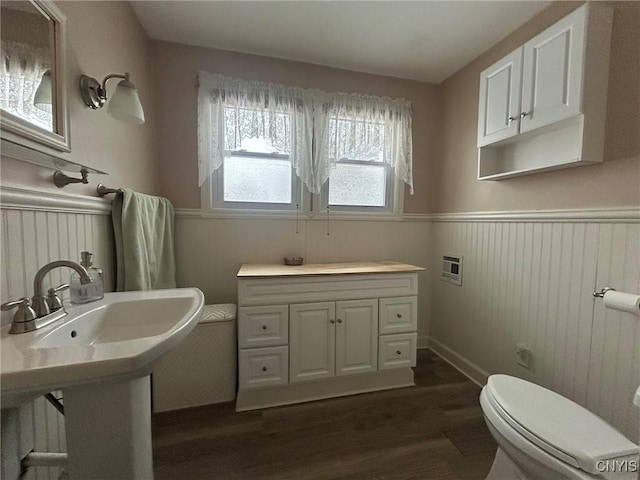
(601, 293)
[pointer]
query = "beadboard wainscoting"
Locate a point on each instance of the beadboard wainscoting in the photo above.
(528, 278)
(209, 251)
(38, 228)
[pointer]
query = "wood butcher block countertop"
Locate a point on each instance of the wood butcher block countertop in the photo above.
(248, 270)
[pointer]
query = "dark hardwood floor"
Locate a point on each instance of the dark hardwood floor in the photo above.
(434, 430)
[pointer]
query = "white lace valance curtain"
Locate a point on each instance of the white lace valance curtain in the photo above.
(232, 112)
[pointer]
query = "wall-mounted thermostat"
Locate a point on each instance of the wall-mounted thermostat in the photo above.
(452, 269)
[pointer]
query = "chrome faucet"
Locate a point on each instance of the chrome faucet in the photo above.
(39, 301)
(40, 310)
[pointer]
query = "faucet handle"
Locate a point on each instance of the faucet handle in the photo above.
(24, 313)
(53, 300)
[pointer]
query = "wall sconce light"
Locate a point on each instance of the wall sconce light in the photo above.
(124, 104)
(43, 97)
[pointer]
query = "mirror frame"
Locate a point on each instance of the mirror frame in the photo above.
(22, 132)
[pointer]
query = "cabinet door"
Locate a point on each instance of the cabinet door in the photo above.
(312, 333)
(552, 78)
(499, 108)
(356, 336)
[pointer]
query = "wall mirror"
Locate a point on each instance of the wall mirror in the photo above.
(33, 103)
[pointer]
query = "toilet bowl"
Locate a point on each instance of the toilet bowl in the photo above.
(544, 436)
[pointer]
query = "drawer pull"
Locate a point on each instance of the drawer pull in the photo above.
(398, 352)
(399, 315)
(264, 327)
(264, 369)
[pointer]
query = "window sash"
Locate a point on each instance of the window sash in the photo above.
(217, 188)
(389, 194)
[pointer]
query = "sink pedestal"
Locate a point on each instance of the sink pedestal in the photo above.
(109, 430)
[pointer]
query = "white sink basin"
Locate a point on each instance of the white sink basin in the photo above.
(118, 337)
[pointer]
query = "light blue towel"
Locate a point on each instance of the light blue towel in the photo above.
(143, 229)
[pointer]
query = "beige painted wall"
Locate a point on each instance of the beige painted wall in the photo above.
(176, 71)
(616, 182)
(102, 38)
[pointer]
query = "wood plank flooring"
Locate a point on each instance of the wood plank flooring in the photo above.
(434, 431)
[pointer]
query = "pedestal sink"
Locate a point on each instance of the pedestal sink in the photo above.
(101, 355)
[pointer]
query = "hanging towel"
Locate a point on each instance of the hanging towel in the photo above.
(143, 229)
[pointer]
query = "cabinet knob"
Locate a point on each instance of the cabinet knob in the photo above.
(399, 315)
(524, 114)
(264, 369)
(398, 352)
(332, 321)
(264, 327)
(512, 119)
(339, 320)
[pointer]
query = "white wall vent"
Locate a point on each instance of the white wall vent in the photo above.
(452, 269)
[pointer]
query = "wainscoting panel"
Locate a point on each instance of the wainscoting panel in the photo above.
(531, 282)
(32, 237)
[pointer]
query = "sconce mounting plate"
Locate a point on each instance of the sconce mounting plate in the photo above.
(92, 92)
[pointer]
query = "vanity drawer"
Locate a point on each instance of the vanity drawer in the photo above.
(398, 315)
(263, 326)
(263, 367)
(397, 351)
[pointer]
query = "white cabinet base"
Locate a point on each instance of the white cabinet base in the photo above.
(326, 388)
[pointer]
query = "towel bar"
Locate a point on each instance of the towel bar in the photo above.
(103, 190)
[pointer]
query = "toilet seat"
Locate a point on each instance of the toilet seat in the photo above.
(557, 425)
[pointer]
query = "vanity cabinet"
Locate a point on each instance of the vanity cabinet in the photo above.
(543, 106)
(325, 330)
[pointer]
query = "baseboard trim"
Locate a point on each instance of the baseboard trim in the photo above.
(460, 363)
(14, 198)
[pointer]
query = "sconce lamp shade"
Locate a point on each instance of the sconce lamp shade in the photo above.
(125, 104)
(43, 97)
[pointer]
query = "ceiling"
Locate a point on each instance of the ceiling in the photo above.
(418, 40)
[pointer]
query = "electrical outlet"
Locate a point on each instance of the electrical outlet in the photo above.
(523, 355)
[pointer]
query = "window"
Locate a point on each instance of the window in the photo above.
(360, 181)
(270, 147)
(256, 173)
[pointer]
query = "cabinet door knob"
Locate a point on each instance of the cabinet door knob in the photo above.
(512, 119)
(398, 352)
(332, 321)
(264, 369)
(399, 315)
(264, 327)
(339, 320)
(524, 114)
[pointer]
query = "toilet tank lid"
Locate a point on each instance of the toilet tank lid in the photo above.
(221, 312)
(559, 422)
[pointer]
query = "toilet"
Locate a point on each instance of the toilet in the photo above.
(544, 436)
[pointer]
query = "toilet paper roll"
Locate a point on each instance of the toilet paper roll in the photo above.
(625, 302)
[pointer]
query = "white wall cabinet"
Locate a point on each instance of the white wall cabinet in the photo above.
(318, 331)
(542, 106)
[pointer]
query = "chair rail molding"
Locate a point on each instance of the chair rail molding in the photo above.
(16, 198)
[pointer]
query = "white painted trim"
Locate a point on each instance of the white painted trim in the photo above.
(15, 198)
(591, 215)
(460, 363)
